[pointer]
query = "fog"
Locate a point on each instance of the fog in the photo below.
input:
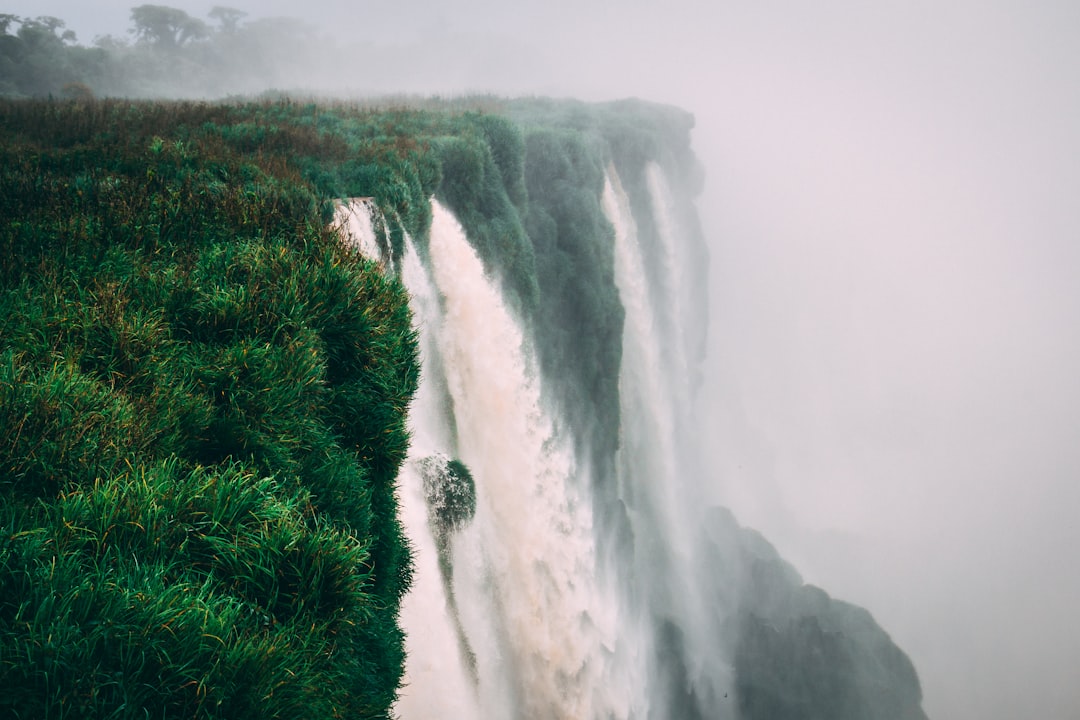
(892, 206)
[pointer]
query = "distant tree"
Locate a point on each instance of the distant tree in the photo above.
(111, 43)
(9, 51)
(49, 26)
(165, 27)
(228, 18)
(40, 57)
(6, 20)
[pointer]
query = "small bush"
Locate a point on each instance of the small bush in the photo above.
(450, 491)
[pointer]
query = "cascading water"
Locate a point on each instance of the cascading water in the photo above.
(518, 582)
(356, 220)
(671, 291)
(655, 460)
(437, 683)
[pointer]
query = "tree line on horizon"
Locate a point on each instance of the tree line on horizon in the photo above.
(169, 53)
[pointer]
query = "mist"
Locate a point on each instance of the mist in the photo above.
(891, 390)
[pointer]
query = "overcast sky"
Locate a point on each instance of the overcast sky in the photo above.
(893, 205)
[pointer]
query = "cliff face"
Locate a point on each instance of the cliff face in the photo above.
(797, 652)
(203, 397)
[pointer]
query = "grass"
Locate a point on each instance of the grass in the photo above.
(203, 397)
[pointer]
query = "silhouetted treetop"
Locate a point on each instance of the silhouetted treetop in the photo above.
(166, 27)
(228, 18)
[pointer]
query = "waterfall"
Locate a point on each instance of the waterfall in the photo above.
(356, 220)
(655, 462)
(537, 631)
(672, 295)
(514, 614)
(437, 682)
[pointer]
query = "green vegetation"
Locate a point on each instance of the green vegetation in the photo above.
(581, 319)
(450, 492)
(202, 406)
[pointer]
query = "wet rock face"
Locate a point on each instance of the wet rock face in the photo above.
(838, 665)
(799, 654)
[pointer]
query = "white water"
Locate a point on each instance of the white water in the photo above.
(656, 466)
(544, 633)
(700, 617)
(672, 297)
(354, 219)
(436, 682)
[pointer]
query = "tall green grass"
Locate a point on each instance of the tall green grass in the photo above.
(202, 414)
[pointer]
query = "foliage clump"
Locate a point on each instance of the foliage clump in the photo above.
(450, 492)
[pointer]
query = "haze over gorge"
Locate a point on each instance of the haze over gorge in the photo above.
(332, 387)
